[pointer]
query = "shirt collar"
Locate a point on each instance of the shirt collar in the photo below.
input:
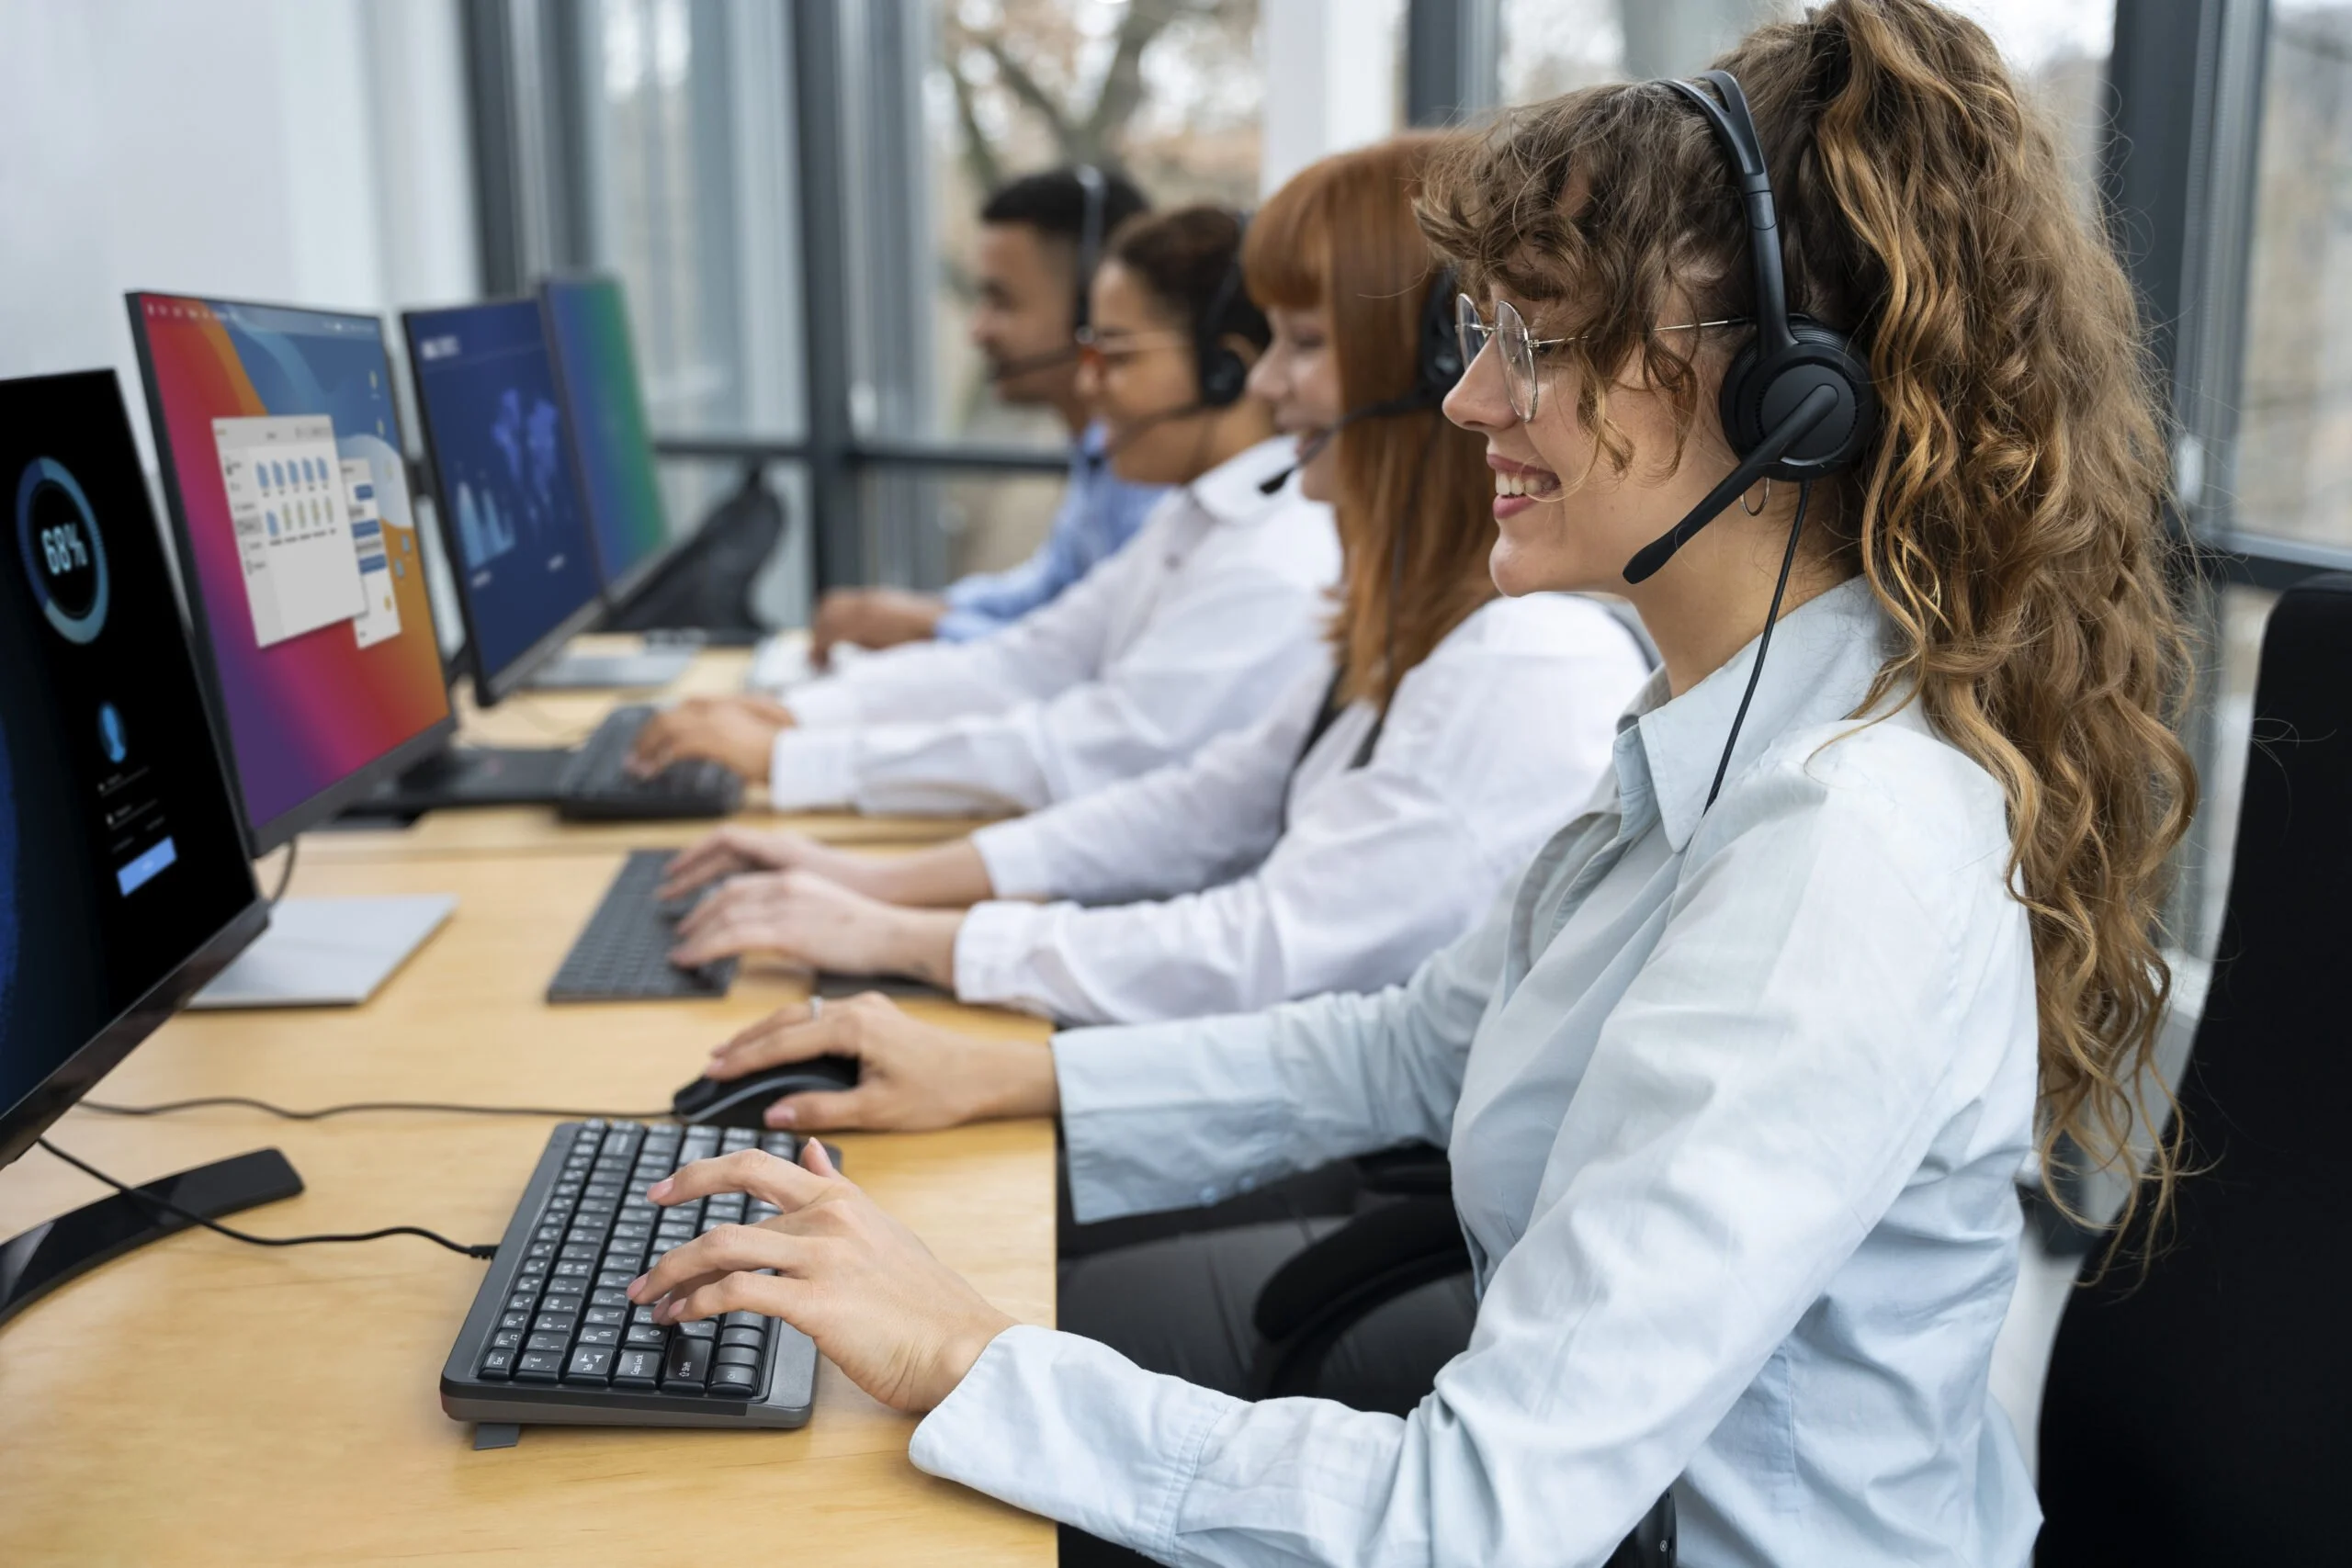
(1092, 448)
(1229, 491)
(1824, 655)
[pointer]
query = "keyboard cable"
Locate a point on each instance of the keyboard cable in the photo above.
(286, 1113)
(484, 1251)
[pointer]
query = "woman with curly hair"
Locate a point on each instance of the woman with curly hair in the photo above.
(1736, 1082)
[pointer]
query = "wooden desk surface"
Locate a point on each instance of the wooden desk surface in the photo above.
(566, 718)
(202, 1402)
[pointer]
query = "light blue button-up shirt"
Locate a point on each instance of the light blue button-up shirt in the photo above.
(1100, 512)
(1734, 1099)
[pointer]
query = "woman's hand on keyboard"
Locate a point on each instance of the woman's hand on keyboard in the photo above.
(808, 919)
(912, 1076)
(732, 851)
(736, 732)
(903, 1325)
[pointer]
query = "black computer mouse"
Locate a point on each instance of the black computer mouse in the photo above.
(740, 1103)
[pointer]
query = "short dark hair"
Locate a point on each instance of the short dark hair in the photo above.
(1053, 202)
(1190, 258)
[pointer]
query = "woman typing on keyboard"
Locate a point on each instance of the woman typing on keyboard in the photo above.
(1371, 816)
(1737, 1081)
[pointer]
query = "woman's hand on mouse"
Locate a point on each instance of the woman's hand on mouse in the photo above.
(902, 1325)
(807, 920)
(912, 1077)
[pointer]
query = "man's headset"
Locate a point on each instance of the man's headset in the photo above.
(1796, 402)
(1096, 190)
(1437, 365)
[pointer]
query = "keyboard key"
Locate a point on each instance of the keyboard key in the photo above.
(590, 1363)
(605, 1333)
(615, 1316)
(555, 1323)
(644, 1336)
(507, 1339)
(497, 1365)
(741, 1381)
(751, 1338)
(736, 1356)
(688, 1364)
(548, 1342)
(521, 1301)
(538, 1366)
(519, 1317)
(603, 1298)
(637, 1369)
(746, 1320)
(703, 1329)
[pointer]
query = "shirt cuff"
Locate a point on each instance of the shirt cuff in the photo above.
(1016, 854)
(991, 947)
(1159, 1116)
(826, 703)
(1067, 1428)
(809, 769)
(961, 624)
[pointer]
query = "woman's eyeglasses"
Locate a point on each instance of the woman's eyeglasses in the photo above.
(1519, 347)
(1115, 350)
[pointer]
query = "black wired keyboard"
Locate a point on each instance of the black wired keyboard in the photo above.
(552, 1338)
(623, 953)
(596, 785)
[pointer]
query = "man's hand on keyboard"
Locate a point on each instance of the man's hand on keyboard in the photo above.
(912, 1076)
(736, 732)
(902, 1325)
(807, 920)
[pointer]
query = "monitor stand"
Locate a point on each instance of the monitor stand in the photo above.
(326, 951)
(614, 671)
(50, 1254)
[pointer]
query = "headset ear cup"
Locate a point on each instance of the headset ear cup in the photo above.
(1759, 393)
(1223, 378)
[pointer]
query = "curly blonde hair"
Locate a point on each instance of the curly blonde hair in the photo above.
(2009, 515)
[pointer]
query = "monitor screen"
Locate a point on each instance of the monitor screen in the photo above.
(123, 877)
(510, 498)
(281, 456)
(588, 328)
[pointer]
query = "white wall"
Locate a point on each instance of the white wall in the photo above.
(1332, 82)
(310, 151)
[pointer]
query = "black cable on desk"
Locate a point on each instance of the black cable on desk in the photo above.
(486, 1250)
(284, 1113)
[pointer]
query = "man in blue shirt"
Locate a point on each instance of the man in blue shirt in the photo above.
(1039, 236)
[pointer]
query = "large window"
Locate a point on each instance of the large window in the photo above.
(2293, 469)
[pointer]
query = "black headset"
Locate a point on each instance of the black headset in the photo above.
(1097, 191)
(1223, 374)
(1796, 402)
(1437, 367)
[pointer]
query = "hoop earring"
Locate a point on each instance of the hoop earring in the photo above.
(1757, 510)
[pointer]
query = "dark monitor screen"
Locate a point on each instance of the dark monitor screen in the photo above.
(123, 879)
(511, 513)
(588, 328)
(281, 455)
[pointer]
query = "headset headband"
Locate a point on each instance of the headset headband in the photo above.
(1096, 190)
(1735, 128)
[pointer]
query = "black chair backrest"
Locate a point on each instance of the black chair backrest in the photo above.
(708, 585)
(2201, 1413)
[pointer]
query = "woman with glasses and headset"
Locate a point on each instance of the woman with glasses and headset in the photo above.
(1736, 1083)
(1370, 816)
(1198, 626)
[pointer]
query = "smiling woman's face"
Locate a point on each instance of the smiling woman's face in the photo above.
(1566, 519)
(1298, 377)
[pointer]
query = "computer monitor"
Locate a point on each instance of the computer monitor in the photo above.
(587, 321)
(511, 514)
(124, 884)
(282, 464)
(279, 442)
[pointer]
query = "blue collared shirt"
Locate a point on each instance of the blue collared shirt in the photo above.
(1735, 1100)
(1100, 512)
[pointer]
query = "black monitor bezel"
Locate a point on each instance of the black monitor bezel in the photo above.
(54, 1095)
(493, 685)
(618, 590)
(262, 838)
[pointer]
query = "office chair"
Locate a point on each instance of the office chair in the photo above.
(2202, 1414)
(1406, 1236)
(707, 586)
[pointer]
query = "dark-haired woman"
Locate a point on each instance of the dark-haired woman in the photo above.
(1208, 616)
(1736, 1083)
(1365, 821)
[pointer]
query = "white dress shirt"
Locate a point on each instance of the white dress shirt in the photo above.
(1250, 873)
(1198, 626)
(1734, 1101)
